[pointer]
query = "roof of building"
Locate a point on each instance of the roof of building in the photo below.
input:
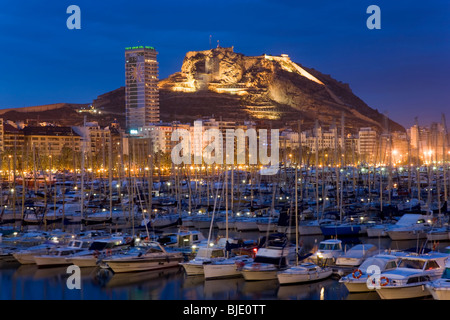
(49, 131)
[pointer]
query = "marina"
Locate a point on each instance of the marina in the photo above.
(232, 233)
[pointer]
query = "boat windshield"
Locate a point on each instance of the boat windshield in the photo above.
(275, 261)
(411, 264)
(446, 274)
(329, 246)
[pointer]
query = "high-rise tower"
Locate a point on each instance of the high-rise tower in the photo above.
(141, 87)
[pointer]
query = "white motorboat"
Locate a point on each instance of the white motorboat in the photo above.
(356, 255)
(227, 268)
(409, 279)
(272, 256)
(153, 257)
(410, 227)
(357, 281)
(328, 251)
(205, 255)
(305, 272)
(440, 288)
(57, 256)
(27, 256)
(98, 249)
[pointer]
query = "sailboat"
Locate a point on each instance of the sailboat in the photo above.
(306, 271)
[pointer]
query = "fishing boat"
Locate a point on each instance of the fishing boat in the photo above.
(302, 273)
(409, 279)
(153, 257)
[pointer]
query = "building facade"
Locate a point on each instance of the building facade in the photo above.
(141, 87)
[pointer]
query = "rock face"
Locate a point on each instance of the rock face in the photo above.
(230, 85)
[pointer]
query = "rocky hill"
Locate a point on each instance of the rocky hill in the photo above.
(230, 85)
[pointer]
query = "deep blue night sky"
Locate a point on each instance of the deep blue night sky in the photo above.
(402, 69)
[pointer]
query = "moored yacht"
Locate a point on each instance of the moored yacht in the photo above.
(408, 280)
(356, 255)
(328, 251)
(57, 256)
(304, 272)
(153, 257)
(205, 254)
(227, 268)
(440, 288)
(357, 280)
(273, 255)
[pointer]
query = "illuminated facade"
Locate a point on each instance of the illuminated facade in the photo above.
(141, 87)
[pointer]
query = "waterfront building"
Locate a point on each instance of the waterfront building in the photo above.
(51, 140)
(367, 143)
(141, 87)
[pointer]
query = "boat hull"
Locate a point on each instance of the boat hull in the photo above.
(357, 286)
(49, 261)
(309, 230)
(246, 225)
(142, 264)
(81, 262)
(438, 236)
(288, 278)
(407, 292)
(214, 271)
(439, 293)
(253, 275)
(332, 231)
(406, 235)
(27, 258)
(193, 269)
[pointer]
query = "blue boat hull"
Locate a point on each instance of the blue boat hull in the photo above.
(340, 230)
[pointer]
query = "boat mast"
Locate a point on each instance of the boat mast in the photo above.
(444, 156)
(418, 159)
(110, 173)
(296, 214)
(316, 165)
